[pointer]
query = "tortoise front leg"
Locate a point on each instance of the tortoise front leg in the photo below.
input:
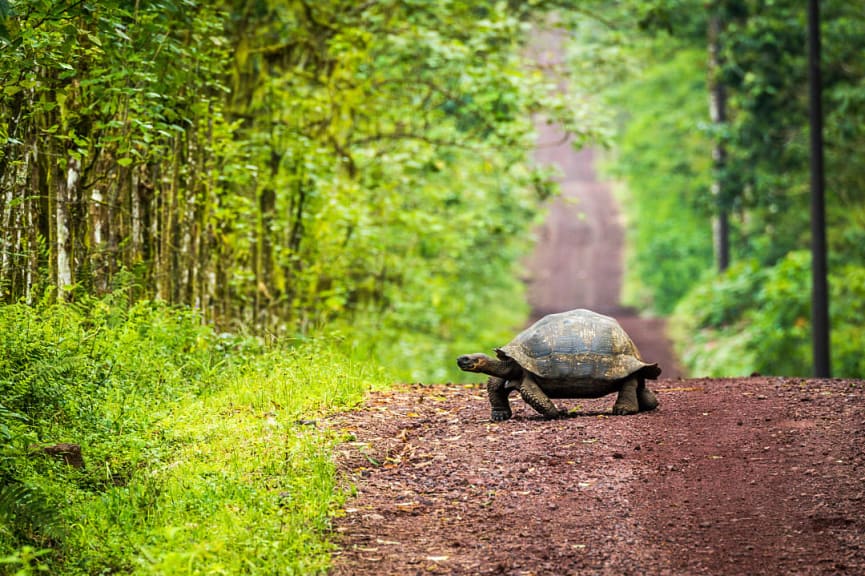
(535, 397)
(627, 402)
(498, 396)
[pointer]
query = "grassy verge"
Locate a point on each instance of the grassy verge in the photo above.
(202, 452)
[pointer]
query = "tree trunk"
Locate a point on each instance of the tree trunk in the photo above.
(718, 114)
(97, 241)
(9, 240)
(66, 190)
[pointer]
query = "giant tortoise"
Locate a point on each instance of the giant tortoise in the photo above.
(575, 354)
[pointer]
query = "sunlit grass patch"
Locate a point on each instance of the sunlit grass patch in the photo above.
(203, 453)
(251, 485)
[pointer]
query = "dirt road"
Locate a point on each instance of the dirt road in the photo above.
(579, 259)
(727, 477)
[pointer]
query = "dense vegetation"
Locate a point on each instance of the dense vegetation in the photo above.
(220, 220)
(756, 315)
(275, 165)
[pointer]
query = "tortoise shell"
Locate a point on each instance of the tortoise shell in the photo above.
(575, 345)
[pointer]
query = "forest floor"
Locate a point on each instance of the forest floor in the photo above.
(755, 475)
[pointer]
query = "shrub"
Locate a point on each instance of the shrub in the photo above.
(750, 319)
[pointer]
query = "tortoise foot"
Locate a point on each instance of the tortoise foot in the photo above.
(498, 395)
(553, 414)
(647, 400)
(627, 402)
(624, 410)
(535, 397)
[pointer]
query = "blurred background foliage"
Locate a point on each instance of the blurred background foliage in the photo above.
(756, 315)
(288, 167)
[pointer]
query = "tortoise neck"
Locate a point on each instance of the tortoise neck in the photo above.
(503, 368)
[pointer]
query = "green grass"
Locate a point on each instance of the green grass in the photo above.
(251, 486)
(203, 454)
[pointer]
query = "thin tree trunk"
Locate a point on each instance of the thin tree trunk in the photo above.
(189, 246)
(136, 216)
(16, 165)
(112, 215)
(41, 177)
(29, 247)
(821, 324)
(66, 190)
(97, 241)
(8, 244)
(718, 114)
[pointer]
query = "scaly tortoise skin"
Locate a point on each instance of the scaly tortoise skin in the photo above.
(575, 354)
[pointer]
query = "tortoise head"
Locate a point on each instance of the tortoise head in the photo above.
(502, 366)
(473, 362)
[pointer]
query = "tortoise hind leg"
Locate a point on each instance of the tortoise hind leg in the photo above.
(646, 398)
(627, 402)
(498, 395)
(535, 397)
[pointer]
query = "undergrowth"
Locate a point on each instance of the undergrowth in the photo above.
(202, 452)
(757, 319)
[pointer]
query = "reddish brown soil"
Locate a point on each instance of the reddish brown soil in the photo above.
(747, 476)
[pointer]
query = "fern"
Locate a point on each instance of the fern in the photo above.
(8, 419)
(27, 515)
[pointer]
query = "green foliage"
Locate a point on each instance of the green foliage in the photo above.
(753, 319)
(780, 324)
(201, 451)
(847, 296)
(276, 165)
